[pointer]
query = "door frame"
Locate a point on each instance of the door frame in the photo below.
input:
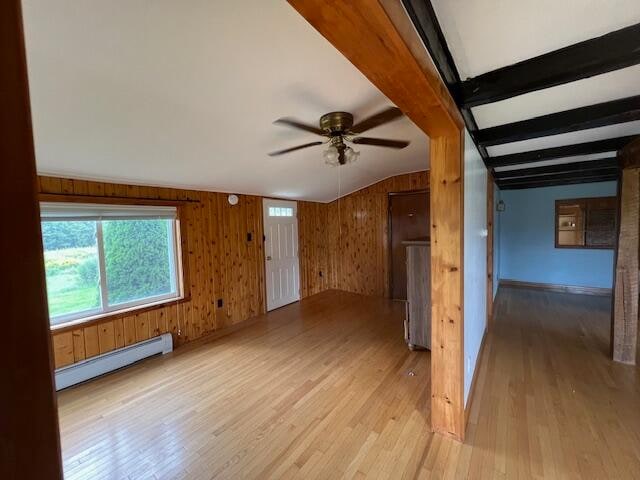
(390, 232)
(285, 203)
(30, 433)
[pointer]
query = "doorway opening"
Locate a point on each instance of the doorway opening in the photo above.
(409, 217)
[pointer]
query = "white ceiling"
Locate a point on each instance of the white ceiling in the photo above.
(183, 93)
(484, 35)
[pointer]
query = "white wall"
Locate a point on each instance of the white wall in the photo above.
(475, 259)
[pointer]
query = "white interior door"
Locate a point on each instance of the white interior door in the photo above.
(281, 252)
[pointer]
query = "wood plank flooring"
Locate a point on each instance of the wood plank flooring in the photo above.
(322, 389)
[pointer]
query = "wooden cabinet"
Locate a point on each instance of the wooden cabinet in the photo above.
(418, 318)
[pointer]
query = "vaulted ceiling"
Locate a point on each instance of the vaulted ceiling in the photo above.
(550, 90)
(184, 93)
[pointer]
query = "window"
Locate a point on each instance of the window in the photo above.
(280, 211)
(105, 258)
(586, 223)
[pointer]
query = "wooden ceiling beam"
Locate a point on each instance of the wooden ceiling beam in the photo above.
(424, 19)
(577, 149)
(364, 33)
(602, 172)
(553, 183)
(613, 51)
(576, 167)
(592, 116)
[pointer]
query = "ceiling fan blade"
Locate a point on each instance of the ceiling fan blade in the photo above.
(293, 149)
(379, 118)
(289, 122)
(380, 142)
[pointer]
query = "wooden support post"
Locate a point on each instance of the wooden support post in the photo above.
(625, 304)
(447, 282)
(29, 441)
(378, 37)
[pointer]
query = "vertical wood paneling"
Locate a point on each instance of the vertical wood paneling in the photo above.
(106, 337)
(63, 349)
(313, 247)
(219, 262)
(91, 341)
(78, 345)
(222, 263)
(358, 232)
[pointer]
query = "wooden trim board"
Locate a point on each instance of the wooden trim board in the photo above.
(550, 287)
(29, 438)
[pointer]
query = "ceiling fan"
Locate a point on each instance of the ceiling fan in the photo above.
(339, 128)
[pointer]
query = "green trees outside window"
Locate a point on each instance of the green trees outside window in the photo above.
(100, 265)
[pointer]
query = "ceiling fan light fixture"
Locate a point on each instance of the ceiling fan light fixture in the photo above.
(350, 155)
(331, 156)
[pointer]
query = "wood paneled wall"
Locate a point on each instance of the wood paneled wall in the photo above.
(343, 245)
(358, 226)
(221, 264)
(314, 247)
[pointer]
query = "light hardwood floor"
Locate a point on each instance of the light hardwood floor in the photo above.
(322, 389)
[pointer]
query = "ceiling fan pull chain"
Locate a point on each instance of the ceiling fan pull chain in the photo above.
(339, 198)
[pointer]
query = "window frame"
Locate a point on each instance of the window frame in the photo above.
(584, 204)
(106, 311)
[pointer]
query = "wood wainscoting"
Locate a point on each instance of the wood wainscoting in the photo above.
(222, 264)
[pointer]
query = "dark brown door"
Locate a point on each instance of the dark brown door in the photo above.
(409, 218)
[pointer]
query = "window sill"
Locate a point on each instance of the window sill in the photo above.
(125, 312)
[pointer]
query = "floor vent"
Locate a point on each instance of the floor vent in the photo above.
(110, 361)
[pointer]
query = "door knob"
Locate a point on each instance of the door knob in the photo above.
(268, 257)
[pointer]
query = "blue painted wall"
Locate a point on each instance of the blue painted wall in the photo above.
(526, 244)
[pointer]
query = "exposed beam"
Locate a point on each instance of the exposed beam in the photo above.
(592, 116)
(587, 148)
(426, 23)
(29, 439)
(553, 183)
(602, 172)
(379, 39)
(560, 179)
(576, 167)
(422, 97)
(603, 54)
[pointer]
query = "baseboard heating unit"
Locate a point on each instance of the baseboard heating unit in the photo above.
(110, 361)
